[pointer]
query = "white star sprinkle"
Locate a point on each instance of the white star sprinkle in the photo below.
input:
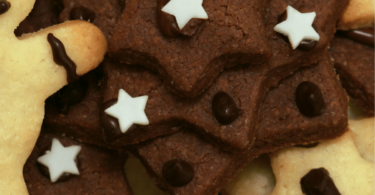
(129, 110)
(184, 10)
(60, 160)
(298, 27)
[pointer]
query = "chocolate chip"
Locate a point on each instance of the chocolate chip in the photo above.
(307, 45)
(309, 99)
(178, 172)
(45, 171)
(224, 108)
(61, 58)
(364, 35)
(70, 95)
(4, 6)
(82, 13)
(318, 182)
(110, 126)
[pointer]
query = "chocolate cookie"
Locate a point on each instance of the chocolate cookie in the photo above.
(189, 63)
(354, 61)
(165, 110)
(103, 14)
(74, 110)
(225, 114)
(44, 14)
(100, 170)
(281, 123)
(236, 32)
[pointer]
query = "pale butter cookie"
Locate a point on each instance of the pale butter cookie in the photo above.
(255, 179)
(28, 75)
(364, 136)
(359, 14)
(337, 162)
(258, 179)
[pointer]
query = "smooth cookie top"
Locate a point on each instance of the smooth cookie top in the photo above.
(359, 14)
(323, 169)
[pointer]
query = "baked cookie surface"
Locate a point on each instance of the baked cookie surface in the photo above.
(335, 156)
(229, 37)
(100, 170)
(363, 130)
(29, 75)
(212, 167)
(354, 62)
(359, 14)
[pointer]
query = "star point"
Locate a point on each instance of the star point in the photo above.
(129, 110)
(60, 160)
(298, 27)
(184, 10)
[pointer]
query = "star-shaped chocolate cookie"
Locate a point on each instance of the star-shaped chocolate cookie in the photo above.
(279, 103)
(233, 34)
(231, 125)
(236, 32)
(281, 124)
(100, 170)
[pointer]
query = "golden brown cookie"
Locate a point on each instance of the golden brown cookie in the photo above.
(359, 14)
(28, 75)
(350, 173)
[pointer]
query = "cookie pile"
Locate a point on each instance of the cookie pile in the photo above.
(195, 89)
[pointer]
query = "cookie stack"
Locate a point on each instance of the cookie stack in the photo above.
(195, 89)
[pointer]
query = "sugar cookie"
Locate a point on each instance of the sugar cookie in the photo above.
(28, 75)
(363, 130)
(359, 14)
(350, 173)
(256, 179)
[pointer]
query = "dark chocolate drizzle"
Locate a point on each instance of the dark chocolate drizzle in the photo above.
(168, 25)
(61, 58)
(364, 35)
(318, 182)
(4, 6)
(110, 125)
(305, 45)
(82, 13)
(70, 95)
(45, 171)
(224, 108)
(178, 172)
(309, 99)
